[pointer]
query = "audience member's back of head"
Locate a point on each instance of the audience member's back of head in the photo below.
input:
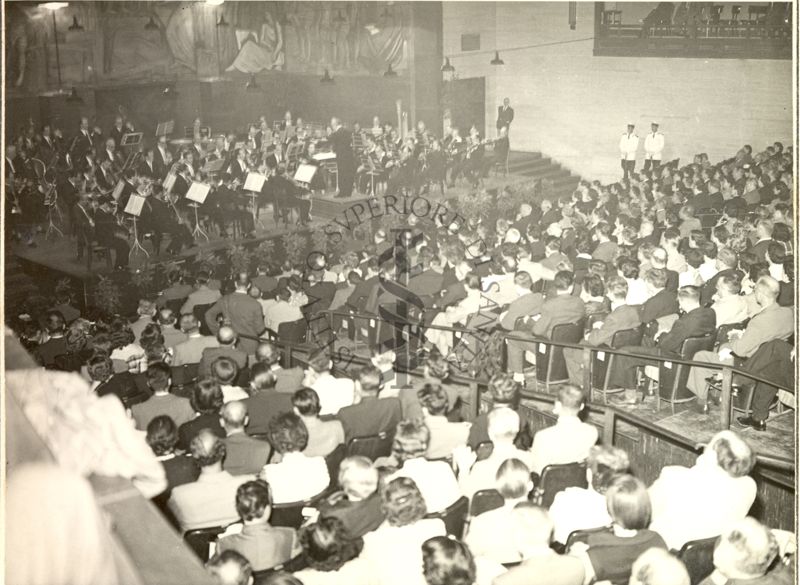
(570, 399)
(230, 568)
(402, 502)
(410, 440)
(162, 435)
(306, 402)
(253, 499)
(327, 544)
(207, 449)
(604, 464)
(657, 566)
(532, 524)
(287, 433)
(434, 399)
(262, 378)
(513, 479)
(628, 502)
(320, 361)
(369, 380)
(746, 550)
(504, 390)
(730, 452)
(358, 477)
(446, 561)
(503, 425)
(268, 353)
(224, 370)
(207, 396)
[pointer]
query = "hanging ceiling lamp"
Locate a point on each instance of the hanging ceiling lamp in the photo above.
(73, 97)
(447, 68)
(497, 60)
(390, 72)
(326, 78)
(75, 26)
(151, 24)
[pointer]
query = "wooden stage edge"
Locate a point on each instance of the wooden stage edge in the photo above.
(59, 255)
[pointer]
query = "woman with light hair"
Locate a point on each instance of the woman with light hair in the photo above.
(658, 567)
(394, 549)
(577, 508)
(434, 479)
(745, 553)
(490, 534)
(358, 504)
(690, 503)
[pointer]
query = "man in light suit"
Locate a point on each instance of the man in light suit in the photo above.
(622, 317)
(287, 380)
(563, 307)
(191, 350)
(653, 147)
(628, 145)
(265, 546)
(528, 303)
(227, 339)
(242, 312)
(245, 455)
(505, 115)
(570, 439)
(264, 402)
(211, 500)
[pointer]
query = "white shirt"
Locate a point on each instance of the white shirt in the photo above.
(231, 393)
(491, 535)
(637, 292)
(396, 551)
(732, 309)
(296, 477)
(628, 144)
(435, 480)
(568, 441)
(691, 503)
(708, 270)
(483, 474)
(653, 146)
(577, 509)
(334, 393)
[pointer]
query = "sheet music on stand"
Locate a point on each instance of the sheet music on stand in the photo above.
(169, 181)
(198, 192)
(305, 173)
(254, 182)
(324, 156)
(213, 166)
(165, 128)
(135, 204)
(131, 139)
(117, 192)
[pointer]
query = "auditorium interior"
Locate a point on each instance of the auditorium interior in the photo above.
(399, 292)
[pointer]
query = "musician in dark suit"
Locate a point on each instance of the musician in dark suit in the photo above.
(118, 131)
(83, 227)
(160, 218)
(47, 146)
(162, 157)
(695, 321)
(505, 115)
(105, 180)
(106, 231)
(341, 141)
(501, 147)
(67, 190)
(110, 153)
(238, 168)
(83, 141)
(147, 168)
(241, 311)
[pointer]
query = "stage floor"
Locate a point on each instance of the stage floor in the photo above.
(59, 254)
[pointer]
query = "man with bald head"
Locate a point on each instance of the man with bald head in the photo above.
(227, 339)
(770, 323)
(146, 312)
(172, 335)
(245, 455)
(211, 500)
(242, 312)
(230, 568)
(191, 350)
(287, 380)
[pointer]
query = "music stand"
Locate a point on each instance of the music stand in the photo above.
(197, 193)
(254, 183)
(50, 200)
(213, 167)
(134, 209)
(165, 128)
(131, 139)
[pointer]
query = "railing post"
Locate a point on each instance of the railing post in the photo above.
(609, 421)
(725, 403)
(587, 372)
(288, 356)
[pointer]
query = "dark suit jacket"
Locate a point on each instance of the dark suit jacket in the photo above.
(180, 469)
(49, 350)
(426, 284)
(320, 297)
(358, 298)
(123, 387)
(370, 416)
(661, 304)
(557, 310)
(760, 250)
(454, 293)
(245, 455)
(358, 517)
(672, 281)
(261, 407)
(188, 431)
(212, 353)
(243, 313)
(695, 323)
(622, 318)
(504, 116)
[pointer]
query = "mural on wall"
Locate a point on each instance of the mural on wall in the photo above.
(136, 40)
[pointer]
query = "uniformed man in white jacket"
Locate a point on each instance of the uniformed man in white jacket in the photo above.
(628, 144)
(653, 147)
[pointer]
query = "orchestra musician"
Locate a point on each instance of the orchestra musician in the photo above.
(107, 233)
(162, 157)
(456, 148)
(84, 141)
(160, 217)
(341, 142)
(147, 168)
(118, 131)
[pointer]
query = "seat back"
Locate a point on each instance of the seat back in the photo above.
(290, 514)
(454, 516)
(199, 311)
(583, 535)
(373, 446)
(672, 377)
(550, 364)
(334, 460)
(200, 539)
(485, 501)
(624, 338)
(723, 330)
(293, 331)
(556, 478)
(698, 555)
(182, 377)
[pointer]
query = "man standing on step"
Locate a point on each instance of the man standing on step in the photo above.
(653, 147)
(505, 115)
(628, 144)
